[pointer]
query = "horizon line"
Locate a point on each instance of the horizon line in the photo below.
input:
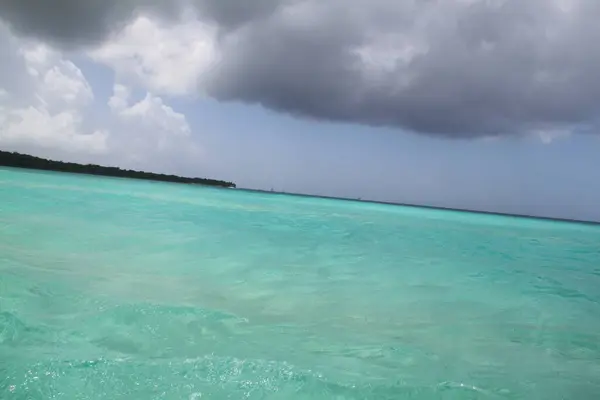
(424, 206)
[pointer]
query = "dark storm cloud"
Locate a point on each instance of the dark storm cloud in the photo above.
(84, 22)
(459, 68)
(68, 22)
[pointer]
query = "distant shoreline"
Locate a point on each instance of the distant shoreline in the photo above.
(18, 160)
(426, 207)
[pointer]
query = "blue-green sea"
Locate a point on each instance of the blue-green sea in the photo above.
(123, 289)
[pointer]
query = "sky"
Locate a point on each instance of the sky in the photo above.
(491, 105)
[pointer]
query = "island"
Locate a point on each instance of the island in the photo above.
(18, 160)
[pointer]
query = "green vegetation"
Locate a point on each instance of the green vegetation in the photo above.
(8, 159)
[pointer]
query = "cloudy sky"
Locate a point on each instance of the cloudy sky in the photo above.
(484, 104)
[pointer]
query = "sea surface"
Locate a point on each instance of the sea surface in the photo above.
(123, 289)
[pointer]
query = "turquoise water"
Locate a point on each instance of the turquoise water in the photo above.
(121, 289)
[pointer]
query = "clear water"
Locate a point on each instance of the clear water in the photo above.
(121, 289)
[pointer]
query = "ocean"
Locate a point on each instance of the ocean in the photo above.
(124, 289)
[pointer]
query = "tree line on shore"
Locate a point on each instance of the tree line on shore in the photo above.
(18, 160)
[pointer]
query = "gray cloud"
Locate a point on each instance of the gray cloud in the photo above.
(68, 22)
(460, 68)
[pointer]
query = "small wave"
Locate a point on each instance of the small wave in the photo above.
(447, 385)
(14, 330)
(206, 377)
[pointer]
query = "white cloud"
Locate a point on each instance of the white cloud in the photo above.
(48, 112)
(120, 98)
(151, 113)
(163, 59)
(37, 126)
(151, 127)
(58, 81)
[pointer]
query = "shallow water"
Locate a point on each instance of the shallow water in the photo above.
(121, 289)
